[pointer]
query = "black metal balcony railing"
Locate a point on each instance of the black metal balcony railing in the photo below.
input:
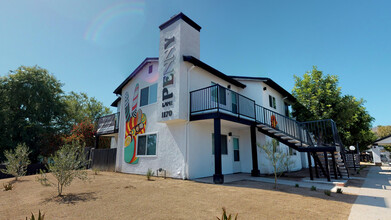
(108, 124)
(287, 126)
(216, 98)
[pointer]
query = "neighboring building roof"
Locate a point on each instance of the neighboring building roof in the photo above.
(384, 140)
(270, 83)
(115, 103)
(184, 18)
(213, 71)
(145, 62)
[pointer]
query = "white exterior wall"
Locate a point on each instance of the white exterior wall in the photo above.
(184, 149)
(170, 147)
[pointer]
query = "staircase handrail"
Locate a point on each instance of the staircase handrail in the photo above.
(292, 128)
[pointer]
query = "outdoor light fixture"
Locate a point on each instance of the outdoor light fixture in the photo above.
(229, 86)
(230, 134)
(352, 148)
(264, 88)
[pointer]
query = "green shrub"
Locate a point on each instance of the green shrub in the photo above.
(150, 173)
(339, 190)
(95, 171)
(42, 178)
(313, 188)
(40, 216)
(327, 192)
(224, 216)
(8, 186)
(69, 162)
(296, 185)
(17, 161)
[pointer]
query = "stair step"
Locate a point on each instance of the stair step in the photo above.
(287, 138)
(304, 145)
(279, 134)
(293, 141)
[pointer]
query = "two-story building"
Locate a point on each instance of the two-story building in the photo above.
(184, 116)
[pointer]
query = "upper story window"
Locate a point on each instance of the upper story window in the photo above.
(288, 109)
(272, 102)
(148, 95)
(150, 70)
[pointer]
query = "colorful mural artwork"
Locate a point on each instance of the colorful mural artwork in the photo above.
(136, 122)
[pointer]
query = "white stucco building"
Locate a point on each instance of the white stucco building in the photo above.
(174, 109)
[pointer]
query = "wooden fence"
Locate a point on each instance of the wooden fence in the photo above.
(103, 159)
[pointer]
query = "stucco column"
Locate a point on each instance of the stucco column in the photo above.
(255, 170)
(218, 177)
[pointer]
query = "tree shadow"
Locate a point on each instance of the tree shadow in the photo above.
(72, 198)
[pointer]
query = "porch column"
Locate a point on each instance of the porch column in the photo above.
(255, 170)
(326, 161)
(218, 177)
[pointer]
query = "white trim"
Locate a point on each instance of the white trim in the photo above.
(146, 134)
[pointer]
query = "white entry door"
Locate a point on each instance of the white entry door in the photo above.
(236, 155)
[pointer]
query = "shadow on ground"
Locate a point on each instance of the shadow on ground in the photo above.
(72, 198)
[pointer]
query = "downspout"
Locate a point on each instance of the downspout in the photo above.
(187, 124)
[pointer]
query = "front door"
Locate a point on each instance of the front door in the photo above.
(236, 155)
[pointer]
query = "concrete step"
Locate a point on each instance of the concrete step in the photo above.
(286, 138)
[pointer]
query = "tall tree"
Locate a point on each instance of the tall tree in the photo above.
(320, 98)
(30, 108)
(80, 108)
(383, 131)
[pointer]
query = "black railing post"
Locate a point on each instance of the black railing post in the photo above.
(254, 152)
(218, 177)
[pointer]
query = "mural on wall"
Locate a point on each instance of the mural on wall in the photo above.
(135, 124)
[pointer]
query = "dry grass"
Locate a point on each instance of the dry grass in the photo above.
(123, 196)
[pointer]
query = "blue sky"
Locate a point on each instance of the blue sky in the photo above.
(92, 45)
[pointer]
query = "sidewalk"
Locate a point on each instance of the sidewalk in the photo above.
(374, 200)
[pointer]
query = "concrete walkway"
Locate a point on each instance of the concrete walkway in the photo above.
(374, 200)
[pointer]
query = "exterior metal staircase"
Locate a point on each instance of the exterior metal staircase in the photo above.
(319, 139)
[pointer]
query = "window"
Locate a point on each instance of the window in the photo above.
(150, 69)
(222, 94)
(146, 145)
(272, 102)
(224, 148)
(236, 149)
(148, 95)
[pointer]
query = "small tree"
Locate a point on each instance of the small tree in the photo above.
(69, 162)
(278, 158)
(17, 161)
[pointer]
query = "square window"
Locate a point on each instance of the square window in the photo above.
(144, 96)
(152, 93)
(142, 141)
(146, 145)
(150, 69)
(151, 144)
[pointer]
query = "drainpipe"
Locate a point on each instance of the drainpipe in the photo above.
(187, 124)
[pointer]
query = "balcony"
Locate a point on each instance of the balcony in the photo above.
(216, 99)
(107, 124)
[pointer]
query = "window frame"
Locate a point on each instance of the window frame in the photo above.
(149, 95)
(146, 144)
(272, 102)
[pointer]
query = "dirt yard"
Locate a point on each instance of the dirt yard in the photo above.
(124, 196)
